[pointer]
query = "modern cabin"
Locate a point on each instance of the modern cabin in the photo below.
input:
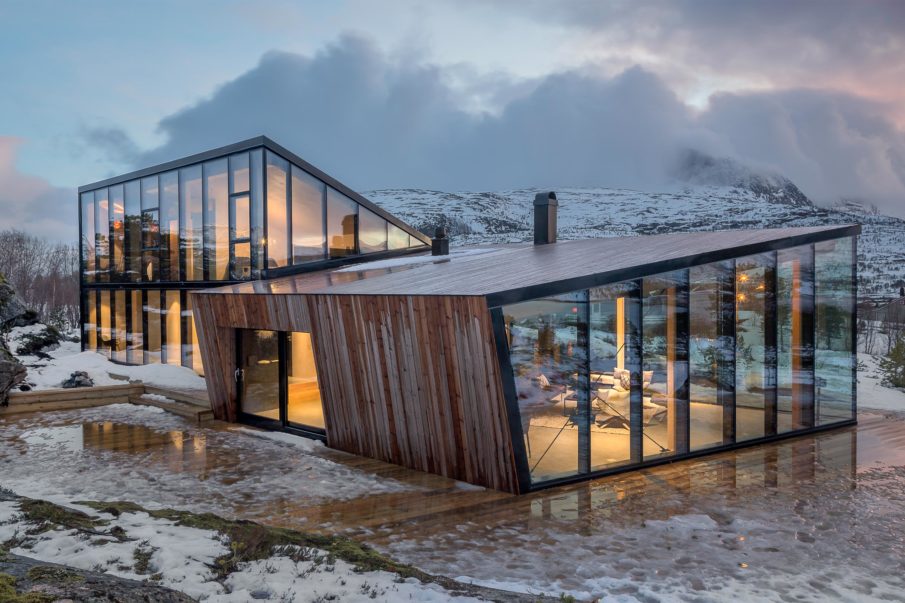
(514, 367)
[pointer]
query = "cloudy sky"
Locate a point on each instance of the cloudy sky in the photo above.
(457, 95)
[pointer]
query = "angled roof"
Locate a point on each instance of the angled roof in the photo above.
(509, 273)
(247, 145)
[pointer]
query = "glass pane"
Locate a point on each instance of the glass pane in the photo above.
(133, 231)
(342, 227)
(260, 361)
(150, 229)
(105, 345)
(398, 238)
(216, 204)
(549, 367)
(91, 324)
(242, 217)
(238, 173)
(303, 404)
(307, 217)
(277, 211)
(119, 325)
(614, 354)
(102, 234)
(794, 342)
(665, 376)
(169, 226)
(191, 353)
(754, 383)
(153, 319)
(89, 240)
(711, 352)
(257, 211)
(416, 242)
(191, 234)
(372, 231)
(134, 339)
(117, 233)
(834, 268)
(149, 193)
(173, 351)
(242, 262)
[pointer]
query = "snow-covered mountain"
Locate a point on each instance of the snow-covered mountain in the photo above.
(717, 196)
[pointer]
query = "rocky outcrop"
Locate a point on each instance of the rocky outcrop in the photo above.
(12, 373)
(13, 311)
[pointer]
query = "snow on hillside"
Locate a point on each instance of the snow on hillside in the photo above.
(506, 216)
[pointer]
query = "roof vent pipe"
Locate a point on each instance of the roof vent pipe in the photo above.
(440, 242)
(545, 207)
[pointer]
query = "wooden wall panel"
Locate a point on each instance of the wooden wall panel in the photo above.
(408, 380)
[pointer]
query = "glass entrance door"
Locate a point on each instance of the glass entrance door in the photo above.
(258, 373)
(277, 380)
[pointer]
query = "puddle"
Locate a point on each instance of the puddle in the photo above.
(114, 436)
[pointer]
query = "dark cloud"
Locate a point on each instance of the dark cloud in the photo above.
(374, 121)
(111, 143)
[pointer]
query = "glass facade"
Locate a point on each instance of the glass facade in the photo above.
(147, 242)
(673, 363)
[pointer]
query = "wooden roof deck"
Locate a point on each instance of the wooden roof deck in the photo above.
(520, 271)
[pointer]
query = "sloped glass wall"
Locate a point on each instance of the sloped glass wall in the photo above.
(659, 367)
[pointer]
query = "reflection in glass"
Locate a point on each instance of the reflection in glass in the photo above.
(191, 235)
(169, 226)
(117, 232)
(398, 238)
(173, 351)
(256, 166)
(835, 382)
(191, 352)
(134, 338)
(89, 240)
(241, 268)
(259, 359)
(794, 343)
(153, 320)
(216, 207)
(665, 353)
(372, 231)
(105, 345)
(614, 362)
(277, 211)
(307, 217)
(549, 364)
(242, 218)
(342, 224)
(150, 229)
(91, 325)
(711, 354)
(119, 325)
(755, 352)
(102, 234)
(303, 405)
(238, 173)
(133, 230)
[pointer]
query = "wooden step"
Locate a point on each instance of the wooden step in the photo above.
(67, 399)
(193, 412)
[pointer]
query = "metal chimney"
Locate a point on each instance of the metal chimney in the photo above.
(545, 207)
(440, 242)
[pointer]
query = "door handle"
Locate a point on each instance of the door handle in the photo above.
(239, 375)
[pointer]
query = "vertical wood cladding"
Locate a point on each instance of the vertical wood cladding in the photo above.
(411, 380)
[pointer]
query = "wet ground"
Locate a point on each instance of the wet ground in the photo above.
(813, 518)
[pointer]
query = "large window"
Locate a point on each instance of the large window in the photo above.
(795, 339)
(89, 241)
(216, 207)
(307, 217)
(342, 224)
(372, 231)
(117, 233)
(665, 346)
(835, 377)
(277, 211)
(755, 348)
(548, 351)
(169, 226)
(673, 363)
(711, 355)
(191, 233)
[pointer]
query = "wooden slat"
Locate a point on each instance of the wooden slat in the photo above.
(407, 380)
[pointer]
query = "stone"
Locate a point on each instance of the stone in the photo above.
(13, 311)
(78, 379)
(12, 373)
